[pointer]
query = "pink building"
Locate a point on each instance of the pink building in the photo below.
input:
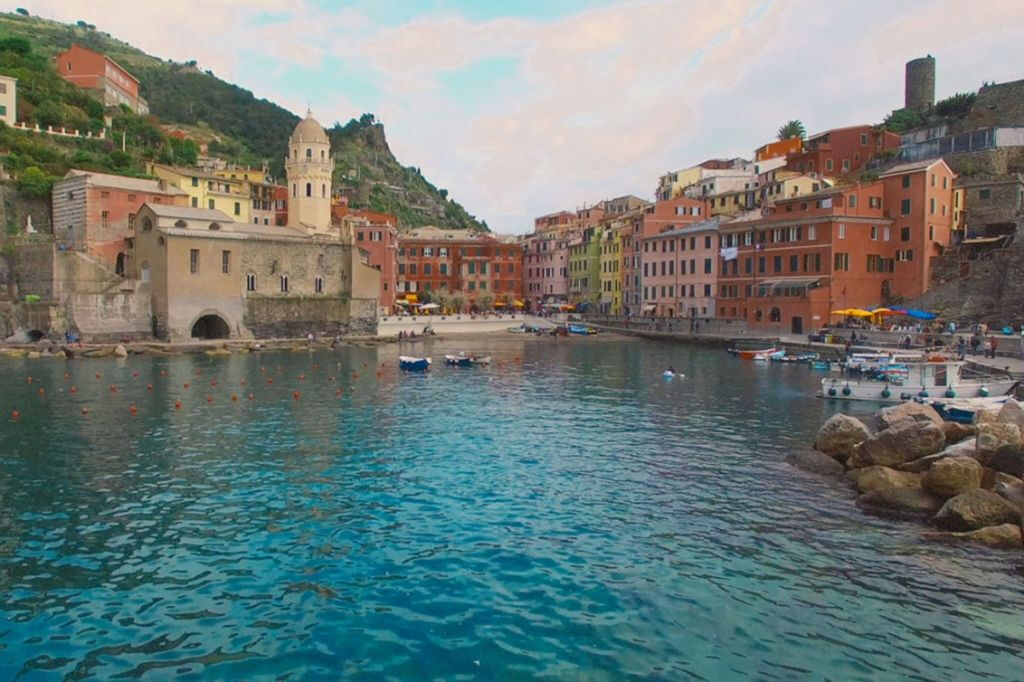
(679, 270)
(546, 268)
(673, 213)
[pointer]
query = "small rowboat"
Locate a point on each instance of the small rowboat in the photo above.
(752, 354)
(458, 360)
(411, 364)
(480, 360)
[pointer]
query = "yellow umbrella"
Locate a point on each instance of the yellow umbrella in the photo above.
(881, 311)
(857, 312)
(844, 311)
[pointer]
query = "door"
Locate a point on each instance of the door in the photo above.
(797, 326)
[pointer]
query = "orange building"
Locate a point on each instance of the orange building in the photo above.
(376, 234)
(852, 246)
(841, 150)
(468, 264)
(773, 150)
(111, 82)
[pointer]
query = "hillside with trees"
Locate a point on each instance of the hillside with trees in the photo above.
(234, 124)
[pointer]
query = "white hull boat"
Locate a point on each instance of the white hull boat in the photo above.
(898, 382)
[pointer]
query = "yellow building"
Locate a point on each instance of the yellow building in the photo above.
(208, 190)
(259, 187)
(610, 273)
(789, 184)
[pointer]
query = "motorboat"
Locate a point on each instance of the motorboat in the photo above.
(964, 410)
(765, 356)
(480, 359)
(518, 329)
(460, 360)
(412, 364)
(581, 329)
(753, 354)
(929, 377)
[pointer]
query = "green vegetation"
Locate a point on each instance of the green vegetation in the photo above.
(794, 128)
(956, 106)
(902, 120)
(235, 125)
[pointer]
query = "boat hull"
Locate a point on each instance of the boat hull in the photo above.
(837, 388)
(410, 364)
(458, 360)
(756, 354)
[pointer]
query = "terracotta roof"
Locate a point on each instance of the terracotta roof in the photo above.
(123, 182)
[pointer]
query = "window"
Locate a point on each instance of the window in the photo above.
(863, 139)
(284, 284)
(931, 205)
(250, 281)
(193, 261)
(318, 285)
(777, 264)
(707, 243)
(426, 268)
(944, 181)
(238, 208)
(853, 201)
(359, 236)
(412, 268)
(225, 262)
(846, 165)
(904, 234)
(210, 204)
(933, 179)
(195, 202)
(886, 233)
(794, 263)
(309, 153)
(985, 193)
(707, 290)
(707, 265)
(401, 268)
(874, 202)
(761, 264)
(443, 268)
(905, 207)
(842, 262)
(812, 232)
(195, 182)
(104, 218)
(906, 181)
(874, 233)
(931, 232)
(828, 164)
(309, 189)
(905, 255)
(842, 230)
(131, 221)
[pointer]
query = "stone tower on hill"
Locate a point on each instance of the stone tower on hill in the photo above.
(309, 167)
(919, 84)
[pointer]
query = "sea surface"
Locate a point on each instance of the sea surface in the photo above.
(564, 514)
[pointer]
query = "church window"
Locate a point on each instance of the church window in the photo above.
(250, 281)
(323, 191)
(309, 153)
(318, 285)
(309, 189)
(284, 284)
(295, 190)
(323, 155)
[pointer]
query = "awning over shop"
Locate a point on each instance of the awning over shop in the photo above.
(412, 298)
(519, 304)
(650, 308)
(794, 283)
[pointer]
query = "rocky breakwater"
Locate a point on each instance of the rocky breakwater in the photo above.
(965, 481)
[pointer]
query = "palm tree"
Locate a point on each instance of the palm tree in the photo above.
(792, 128)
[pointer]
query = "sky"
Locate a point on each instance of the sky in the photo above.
(527, 107)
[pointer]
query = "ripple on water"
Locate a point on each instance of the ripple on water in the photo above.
(570, 515)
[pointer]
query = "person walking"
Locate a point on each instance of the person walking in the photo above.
(992, 344)
(975, 343)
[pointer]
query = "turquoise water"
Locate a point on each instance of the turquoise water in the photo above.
(564, 514)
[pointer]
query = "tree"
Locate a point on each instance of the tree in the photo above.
(792, 128)
(485, 302)
(956, 105)
(22, 11)
(458, 301)
(902, 120)
(34, 182)
(17, 45)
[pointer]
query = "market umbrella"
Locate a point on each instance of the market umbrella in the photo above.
(857, 312)
(920, 314)
(844, 311)
(429, 306)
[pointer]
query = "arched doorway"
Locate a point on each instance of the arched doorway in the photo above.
(211, 327)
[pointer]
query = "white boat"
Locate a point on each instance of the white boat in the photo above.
(480, 360)
(895, 382)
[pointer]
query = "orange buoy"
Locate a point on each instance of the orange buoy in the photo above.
(302, 377)
(133, 409)
(98, 375)
(337, 392)
(250, 396)
(177, 404)
(186, 384)
(163, 372)
(243, 382)
(295, 395)
(149, 387)
(354, 375)
(85, 410)
(135, 375)
(113, 388)
(209, 398)
(213, 382)
(15, 414)
(270, 380)
(74, 389)
(42, 392)
(234, 397)
(28, 380)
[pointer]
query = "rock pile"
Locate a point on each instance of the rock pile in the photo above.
(963, 479)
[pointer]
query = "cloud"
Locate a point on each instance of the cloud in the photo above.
(588, 105)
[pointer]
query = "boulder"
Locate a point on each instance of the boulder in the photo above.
(815, 462)
(991, 477)
(956, 432)
(1012, 412)
(98, 352)
(60, 354)
(1003, 536)
(839, 434)
(987, 415)
(992, 436)
(909, 411)
(951, 476)
(900, 501)
(964, 447)
(976, 509)
(1012, 492)
(218, 351)
(878, 477)
(34, 354)
(907, 440)
(120, 351)
(1008, 459)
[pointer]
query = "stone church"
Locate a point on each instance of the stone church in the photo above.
(210, 277)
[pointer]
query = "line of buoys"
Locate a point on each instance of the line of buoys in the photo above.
(295, 395)
(15, 414)
(234, 397)
(149, 387)
(177, 404)
(85, 410)
(134, 410)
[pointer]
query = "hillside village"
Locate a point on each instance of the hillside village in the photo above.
(922, 209)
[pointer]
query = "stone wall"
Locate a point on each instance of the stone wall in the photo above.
(45, 317)
(988, 162)
(1002, 205)
(26, 267)
(109, 317)
(16, 209)
(297, 316)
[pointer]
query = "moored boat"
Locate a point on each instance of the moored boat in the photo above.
(754, 354)
(901, 381)
(480, 360)
(581, 329)
(460, 360)
(412, 364)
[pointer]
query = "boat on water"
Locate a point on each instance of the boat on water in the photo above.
(581, 329)
(480, 359)
(458, 360)
(895, 381)
(753, 354)
(518, 329)
(963, 410)
(412, 364)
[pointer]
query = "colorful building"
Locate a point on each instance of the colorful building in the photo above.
(585, 267)
(782, 148)
(96, 212)
(8, 100)
(610, 268)
(680, 268)
(259, 187)
(546, 267)
(841, 150)
(376, 234)
(479, 268)
(207, 190)
(112, 84)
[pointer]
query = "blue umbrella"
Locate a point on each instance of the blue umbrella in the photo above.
(921, 314)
